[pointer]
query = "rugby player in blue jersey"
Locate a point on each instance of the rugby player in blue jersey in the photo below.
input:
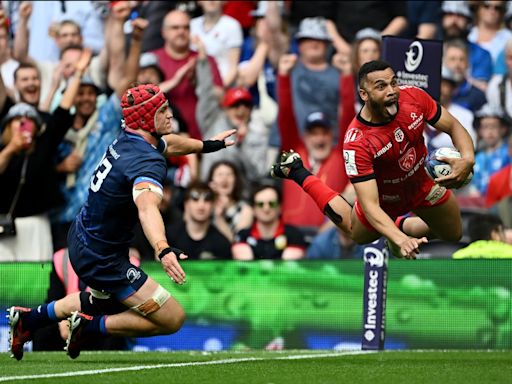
(126, 187)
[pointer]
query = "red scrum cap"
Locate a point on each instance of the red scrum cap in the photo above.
(140, 105)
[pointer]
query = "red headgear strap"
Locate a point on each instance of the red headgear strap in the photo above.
(140, 104)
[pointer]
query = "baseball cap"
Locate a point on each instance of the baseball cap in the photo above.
(368, 33)
(490, 110)
(313, 28)
(317, 119)
(21, 109)
(87, 80)
(456, 7)
(236, 95)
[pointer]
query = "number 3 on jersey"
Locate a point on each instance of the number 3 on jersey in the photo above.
(100, 174)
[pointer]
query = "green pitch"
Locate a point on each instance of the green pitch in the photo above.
(294, 367)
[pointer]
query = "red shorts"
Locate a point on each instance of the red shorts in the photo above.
(436, 195)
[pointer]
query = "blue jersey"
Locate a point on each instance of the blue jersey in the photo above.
(106, 221)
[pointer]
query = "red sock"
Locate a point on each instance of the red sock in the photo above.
(319, 191)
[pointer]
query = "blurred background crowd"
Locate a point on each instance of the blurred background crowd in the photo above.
(282, 73)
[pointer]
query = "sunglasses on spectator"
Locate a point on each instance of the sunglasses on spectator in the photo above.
(196, 196)
(271, 204)
(499, 8)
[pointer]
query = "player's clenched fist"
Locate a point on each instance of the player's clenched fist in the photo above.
(286, 64)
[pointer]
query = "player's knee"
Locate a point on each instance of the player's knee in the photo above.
(175, 321)
(455, 234)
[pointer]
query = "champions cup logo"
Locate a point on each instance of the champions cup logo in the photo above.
(413, 56)
(132, 274)
(374, 257)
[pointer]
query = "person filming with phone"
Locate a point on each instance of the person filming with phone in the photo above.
(28, 177)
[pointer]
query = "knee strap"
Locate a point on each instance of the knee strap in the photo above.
(154, 303)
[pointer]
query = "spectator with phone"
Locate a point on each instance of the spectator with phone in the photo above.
(27, 174)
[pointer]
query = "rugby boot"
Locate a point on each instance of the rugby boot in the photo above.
(76, 324)
(18, 336)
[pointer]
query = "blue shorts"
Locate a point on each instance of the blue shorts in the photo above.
(108, 272)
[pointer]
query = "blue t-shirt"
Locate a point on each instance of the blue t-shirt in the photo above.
(480, 62)
(488, 163)
(107, 219)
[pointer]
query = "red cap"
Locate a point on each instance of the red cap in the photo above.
(235, 95)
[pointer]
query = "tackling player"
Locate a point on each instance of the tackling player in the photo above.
(384, 154)
(126, 186)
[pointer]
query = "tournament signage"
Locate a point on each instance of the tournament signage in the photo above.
(416, 62)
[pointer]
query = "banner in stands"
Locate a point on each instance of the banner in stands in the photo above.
(416, 62)
(431, 304)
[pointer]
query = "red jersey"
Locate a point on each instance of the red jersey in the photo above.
(394, 153)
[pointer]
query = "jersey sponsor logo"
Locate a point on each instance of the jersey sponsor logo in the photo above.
(416, 121)
(407, 161)
(132, 274)
(409, 174)
(383, 150)
(435, 194)
(350, 162)
(413, 56)
(390, 198)
(399, 135)
(353, 134)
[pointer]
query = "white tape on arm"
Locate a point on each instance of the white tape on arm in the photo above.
(142, 187)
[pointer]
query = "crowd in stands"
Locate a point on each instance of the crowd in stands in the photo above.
(282, 73)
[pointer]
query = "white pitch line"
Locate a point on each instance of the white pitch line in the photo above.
(175, 365)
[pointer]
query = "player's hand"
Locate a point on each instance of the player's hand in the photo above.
(224, 135)
(410, 247)
(461, 168)
(173, 268)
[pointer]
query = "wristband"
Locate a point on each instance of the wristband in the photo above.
(213, 145)
(168, 250)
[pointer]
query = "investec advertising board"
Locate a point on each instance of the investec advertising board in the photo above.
(416, 62)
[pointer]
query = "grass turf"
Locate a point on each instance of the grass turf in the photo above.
(394, 367)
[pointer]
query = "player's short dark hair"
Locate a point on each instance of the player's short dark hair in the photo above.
(481, 226)
(369, 67)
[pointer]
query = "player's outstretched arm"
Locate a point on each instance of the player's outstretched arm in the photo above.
(179, 145)
(368, 196)
(147, 200)
(461, 168)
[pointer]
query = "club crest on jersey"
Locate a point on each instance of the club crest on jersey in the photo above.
(399, 135)
(407, 161)
(353, 134)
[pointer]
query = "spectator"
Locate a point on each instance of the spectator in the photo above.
(32, 154)
(54, 73)
(315, 82)
(222, 36)
(154, 12)
(237, 112)
(177, 62)
(499, 91)
(456, 23)
(436, 139)
(500, 183)
(488, 239)
(333, 243)
(367, 47)
(196, 233)
(93, 129)
(7, 64)
(489, 31)
(317, 149)
(422, 19)
(455, 58)
(44, 25)
(493, 149)
(268, 237)
(231, 211)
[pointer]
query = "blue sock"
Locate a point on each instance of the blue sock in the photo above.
(40, 317)
(96, 326)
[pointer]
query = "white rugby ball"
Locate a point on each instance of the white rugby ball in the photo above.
(436, 168)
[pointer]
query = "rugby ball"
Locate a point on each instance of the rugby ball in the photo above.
(436, 168)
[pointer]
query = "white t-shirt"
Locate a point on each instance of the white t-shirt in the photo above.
(465, 117)
(493, 93)
(224, 35)
(7, 70)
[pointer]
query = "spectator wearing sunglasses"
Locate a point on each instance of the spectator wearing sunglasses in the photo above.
(268, 237)
(196, 233)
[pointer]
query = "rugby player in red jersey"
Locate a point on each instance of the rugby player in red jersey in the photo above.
(384, 155)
